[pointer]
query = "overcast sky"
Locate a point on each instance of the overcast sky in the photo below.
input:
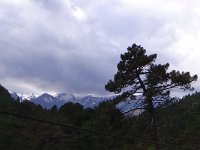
(74, 46)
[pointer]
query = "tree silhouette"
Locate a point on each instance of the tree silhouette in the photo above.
(138, 74)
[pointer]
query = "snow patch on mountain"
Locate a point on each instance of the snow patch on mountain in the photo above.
(22, 97)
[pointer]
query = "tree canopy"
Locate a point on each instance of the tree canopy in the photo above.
(139, 74)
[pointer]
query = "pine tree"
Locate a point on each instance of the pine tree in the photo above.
(139, 74)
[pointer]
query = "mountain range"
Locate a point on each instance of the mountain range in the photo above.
(47, 101)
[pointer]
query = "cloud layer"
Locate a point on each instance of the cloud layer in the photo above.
(74, 46)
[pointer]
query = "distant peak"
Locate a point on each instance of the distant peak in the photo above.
(64, 96)
(45, 94)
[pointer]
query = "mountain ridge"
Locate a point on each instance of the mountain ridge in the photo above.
(47, 101)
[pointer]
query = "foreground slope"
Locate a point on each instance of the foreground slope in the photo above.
(178, 123)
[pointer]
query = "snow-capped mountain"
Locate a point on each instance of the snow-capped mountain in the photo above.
(91, 101)
(47, 101)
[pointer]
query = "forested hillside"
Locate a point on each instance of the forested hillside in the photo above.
(178, 122)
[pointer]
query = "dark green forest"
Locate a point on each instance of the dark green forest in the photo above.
(178, 124)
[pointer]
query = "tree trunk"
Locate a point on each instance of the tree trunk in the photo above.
(152, 117)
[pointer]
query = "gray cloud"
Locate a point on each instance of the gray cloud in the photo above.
(74, 46)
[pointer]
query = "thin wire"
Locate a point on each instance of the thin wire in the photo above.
(92, 131)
